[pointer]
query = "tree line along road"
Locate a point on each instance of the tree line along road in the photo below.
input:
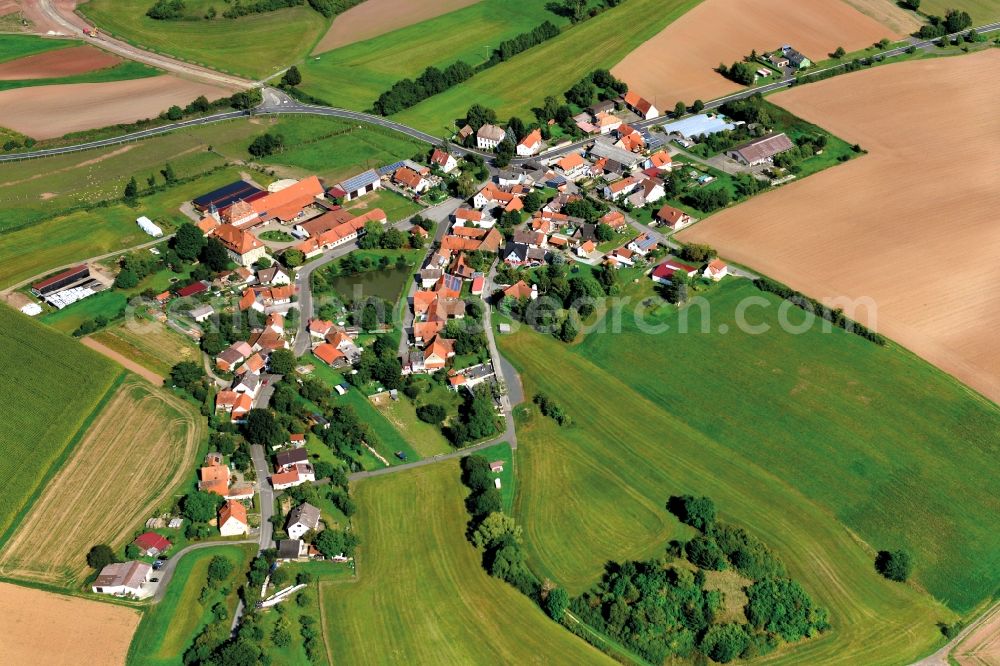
(277, 103)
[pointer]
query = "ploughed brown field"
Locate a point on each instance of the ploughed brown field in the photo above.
(44, 112)
(678, 64)
(38, 627)
(377, 17)
(913, 225)
(62, 62)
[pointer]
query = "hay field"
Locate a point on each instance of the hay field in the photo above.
(825, 446)
(378, 17)
(422, 596)
(64, 62)
(678, 62)
(900, 21)
(128, 462)
(38, 627)
(981, 11)
(53, 387)
(45, 112)
(911, 225)
(150, 344)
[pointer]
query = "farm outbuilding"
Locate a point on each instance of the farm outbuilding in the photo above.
(149, 226)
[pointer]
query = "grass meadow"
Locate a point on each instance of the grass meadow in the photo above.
(522, 83)
(255, 46)
(168, 628)
(353, 76)
(156, 346)
(54, 388)
(825, 446)
(125, 71)
(981, 11)
(13, 47)
(421, 593)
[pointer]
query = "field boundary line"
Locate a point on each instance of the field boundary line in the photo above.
(322, 621)
(63, 455)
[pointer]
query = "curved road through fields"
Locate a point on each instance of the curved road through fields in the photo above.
(74, 26)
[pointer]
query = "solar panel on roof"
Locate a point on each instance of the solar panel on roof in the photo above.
(227, 194)
(355, 183)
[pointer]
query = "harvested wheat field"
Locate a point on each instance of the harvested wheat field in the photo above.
(38, 627)
(377, 17)
(129, 461)
(678, 63)
(62, 62)
(44, 112)
(981, 646)
(912, 225)
(900, 21)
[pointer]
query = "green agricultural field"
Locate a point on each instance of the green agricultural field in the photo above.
(13, 47)
(981, 11)
(353, 76)
(154, 345)
(825, 446)
(168, 628)
(255, 46)
(520, 84)
(431, 600)
(87, 233)
(125, 71)
(54, 388)
(336, 150)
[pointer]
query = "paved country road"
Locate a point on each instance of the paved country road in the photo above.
(279, 103)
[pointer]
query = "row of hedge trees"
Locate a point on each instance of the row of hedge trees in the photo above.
(408, 92)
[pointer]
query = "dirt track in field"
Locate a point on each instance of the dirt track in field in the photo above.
(678, 63)
(38, 627)
(62, 62)
(913, 225)
(131, 458)
(377, 17)
(44, 112)
(123, 360)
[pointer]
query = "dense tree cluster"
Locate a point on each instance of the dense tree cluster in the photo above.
(741, 72)
(477, 418)
(894, 564)
(494, 532)
(953, 21)
(266, 144)
(663, 611)
(753, 109)
(407, 92)
(600, 84)
(165, 10)
(550, 408)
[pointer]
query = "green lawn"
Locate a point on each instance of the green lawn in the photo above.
(389, 438)
(53, 387)
(516, 86)
(13, 47)
(507, 477)
(107, 303)
(168, 628)
(396, 206)
(125, 71)
(353, 76)
(422, 595)
(256, 46)
(424, 437)
(825, 446)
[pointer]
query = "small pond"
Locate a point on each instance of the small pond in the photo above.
(385, 283)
